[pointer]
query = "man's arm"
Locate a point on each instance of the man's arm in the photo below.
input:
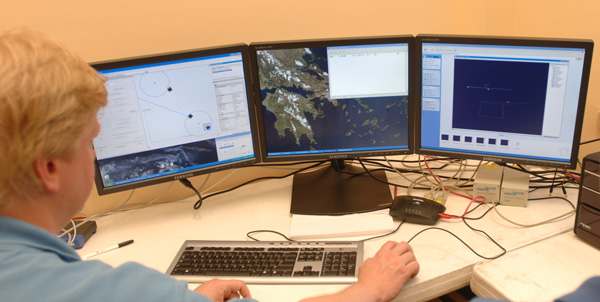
(380, 278)
(223, 290)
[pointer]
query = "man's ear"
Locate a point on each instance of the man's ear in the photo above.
(47, 171)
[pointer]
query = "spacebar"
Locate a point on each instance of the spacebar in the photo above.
(227, 273)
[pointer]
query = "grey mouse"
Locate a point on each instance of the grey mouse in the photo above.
(416, 209)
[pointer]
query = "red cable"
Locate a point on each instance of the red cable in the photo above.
(448, 216)
(572, 176)
(436, 179)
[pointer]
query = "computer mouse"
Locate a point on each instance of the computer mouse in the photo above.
(416, 209)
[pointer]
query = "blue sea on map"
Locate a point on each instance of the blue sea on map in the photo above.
(331, 128)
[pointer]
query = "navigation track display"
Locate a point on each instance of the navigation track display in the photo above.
(172, 115)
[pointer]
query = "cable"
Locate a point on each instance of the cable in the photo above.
(590, 141)
(122, 207)
(267, 231)
(472, 228)
(440, 183)
(188, 184)
(220, 181)
(472, 250)
(572, 176)
(385, 235)
(70, 238)
(479, 199)
(264, 178)
(288, 239)
(559, 217)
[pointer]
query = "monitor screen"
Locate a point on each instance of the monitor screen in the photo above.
(341, 98)
(334, 99)
(501, 99)
(173, 116)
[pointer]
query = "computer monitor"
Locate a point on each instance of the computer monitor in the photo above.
(501, 99)
(334, 99)
(173, 116)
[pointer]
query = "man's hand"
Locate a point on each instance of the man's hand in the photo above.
(385, 274)
(380, 278)
(222, 290)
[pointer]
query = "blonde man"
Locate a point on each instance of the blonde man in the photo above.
(49, 98)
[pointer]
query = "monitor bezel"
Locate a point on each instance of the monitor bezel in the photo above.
(175, 56)
(503, 41)
(289, 44)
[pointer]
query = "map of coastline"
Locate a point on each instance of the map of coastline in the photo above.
(295, 90)
(290, 71)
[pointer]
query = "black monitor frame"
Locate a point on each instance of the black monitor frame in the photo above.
(587, 45)
(328, 190)
(186, 56)
(254, 47)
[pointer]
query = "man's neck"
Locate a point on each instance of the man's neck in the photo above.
(38, 213)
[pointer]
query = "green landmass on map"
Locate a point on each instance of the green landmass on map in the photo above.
(287, 68)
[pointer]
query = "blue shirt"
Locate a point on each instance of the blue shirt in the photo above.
(37, 266)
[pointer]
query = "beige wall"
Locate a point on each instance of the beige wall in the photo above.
(101, 30)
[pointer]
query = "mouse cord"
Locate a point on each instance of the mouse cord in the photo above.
(249, 234)
(472, 228)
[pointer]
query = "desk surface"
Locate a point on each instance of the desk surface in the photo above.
(539, 272)
(446, 264)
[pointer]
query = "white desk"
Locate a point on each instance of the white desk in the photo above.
(539, 272)
(446, 264)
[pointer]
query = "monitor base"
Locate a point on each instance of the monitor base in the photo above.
(326, 191)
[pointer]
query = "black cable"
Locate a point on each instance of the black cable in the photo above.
(288, 239)
(288, 163)
(384, 235)
(188, 184)
(370, 174)
(249, 234)
(265, 178)
(389, 169)
(266, 231)
(549, 181)
(553, 180)
(472, 250)
(474, 229)
(554, 197)
(590, 141)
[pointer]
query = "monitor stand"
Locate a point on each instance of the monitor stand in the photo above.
(326, 191)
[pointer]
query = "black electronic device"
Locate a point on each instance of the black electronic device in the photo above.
(416, 209)
(81, 231)
(335, 99)
(587, 219)
(176, 115)
(501, 99)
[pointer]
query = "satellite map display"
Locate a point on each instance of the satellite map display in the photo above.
(122, 169)
(300, 117)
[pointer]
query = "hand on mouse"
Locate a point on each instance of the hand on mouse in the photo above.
(386, 273)
(380, 278)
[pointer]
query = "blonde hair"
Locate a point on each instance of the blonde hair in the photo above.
(47, 95)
